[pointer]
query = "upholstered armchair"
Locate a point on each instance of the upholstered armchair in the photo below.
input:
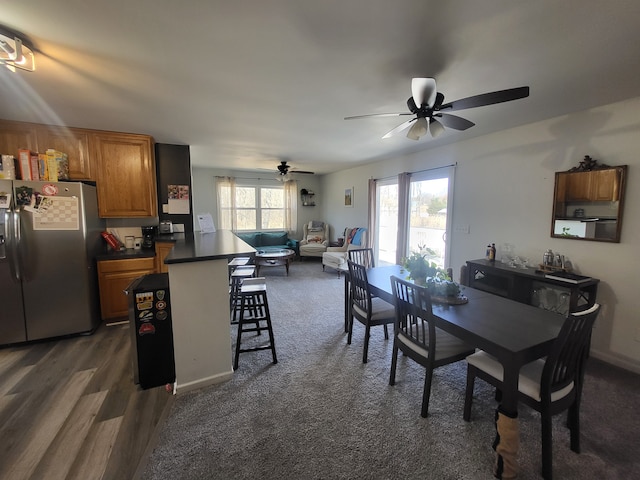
(336, 257)
(315, 239)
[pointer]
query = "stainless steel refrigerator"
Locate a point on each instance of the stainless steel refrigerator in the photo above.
(49, 239)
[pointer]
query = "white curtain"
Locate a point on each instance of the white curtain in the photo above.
(226, 192)
(291, 207)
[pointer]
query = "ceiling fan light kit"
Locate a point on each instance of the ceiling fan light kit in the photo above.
(16, 51)
(426, 103)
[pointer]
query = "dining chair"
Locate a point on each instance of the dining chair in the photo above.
(417, 336)
(362, 256)
(549, 385)
(368, 310)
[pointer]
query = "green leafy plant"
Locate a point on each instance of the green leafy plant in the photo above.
(425, 272)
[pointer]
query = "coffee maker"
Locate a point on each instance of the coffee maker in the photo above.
(148, 236)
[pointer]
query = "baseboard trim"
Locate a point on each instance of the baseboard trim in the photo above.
(203, 382)
(617, 361)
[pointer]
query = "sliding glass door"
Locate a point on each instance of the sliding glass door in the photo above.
(427, 216)
(386, 221)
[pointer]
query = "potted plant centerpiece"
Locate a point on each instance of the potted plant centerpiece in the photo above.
(425, 272)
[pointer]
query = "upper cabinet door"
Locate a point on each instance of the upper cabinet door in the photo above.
(72, 141)
(15, 136)
(125, 175)
(605, 185)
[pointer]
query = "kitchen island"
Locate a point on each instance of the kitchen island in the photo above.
(199, 286)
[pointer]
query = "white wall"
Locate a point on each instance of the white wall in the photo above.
(504, 189)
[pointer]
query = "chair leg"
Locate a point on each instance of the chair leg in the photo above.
(468, 396)
(547, 446)
(574, 426)
(386, 332)
(426, 393)
(367, 334)
(270, 330)
(394, 363)
(350, 330)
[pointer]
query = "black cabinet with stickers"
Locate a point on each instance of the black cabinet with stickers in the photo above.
(151, 331)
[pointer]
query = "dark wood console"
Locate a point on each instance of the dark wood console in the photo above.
(519, 283)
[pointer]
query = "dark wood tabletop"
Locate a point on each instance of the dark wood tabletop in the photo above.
(513, 332)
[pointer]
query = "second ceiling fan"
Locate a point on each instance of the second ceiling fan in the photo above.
(430, 113)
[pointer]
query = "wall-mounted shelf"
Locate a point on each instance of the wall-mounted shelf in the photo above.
(308, 198)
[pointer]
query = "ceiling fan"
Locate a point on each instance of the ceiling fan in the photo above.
(426, 104)
(284, 171)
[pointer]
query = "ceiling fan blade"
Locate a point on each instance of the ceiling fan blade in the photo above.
(435, 127)
(301, 171)
(378, 115)
(438, 103)
(419, 129)
(455, 122)
(491, 98)
(399, 128)
(423, 91)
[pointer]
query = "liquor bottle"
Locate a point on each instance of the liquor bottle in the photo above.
(487, 253)
(492, 252)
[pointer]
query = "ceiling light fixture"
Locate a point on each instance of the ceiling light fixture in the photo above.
(16, 51)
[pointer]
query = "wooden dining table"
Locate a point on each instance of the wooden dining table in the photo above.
(514, 333)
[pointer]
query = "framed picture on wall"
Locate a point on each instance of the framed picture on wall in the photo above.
(348, 197)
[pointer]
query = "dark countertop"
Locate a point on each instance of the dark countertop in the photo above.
(170, 237)
(142, 253)
(529, 272)
(126, 254)
(200, 247)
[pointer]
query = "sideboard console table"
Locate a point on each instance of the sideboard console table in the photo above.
(519, 284)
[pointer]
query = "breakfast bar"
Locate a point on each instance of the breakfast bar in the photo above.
(199, 285)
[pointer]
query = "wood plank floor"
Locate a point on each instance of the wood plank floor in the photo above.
(69, 409)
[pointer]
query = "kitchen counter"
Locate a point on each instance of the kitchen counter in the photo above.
(199, 247)
(126, 254)
(199, 286)
(143, 252)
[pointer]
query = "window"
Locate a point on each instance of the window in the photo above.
(247, 205)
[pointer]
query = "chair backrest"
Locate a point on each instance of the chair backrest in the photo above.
(359, 284)
(356, 236)
(362, 256)
(413, 313)
(565, 362)
(318, 234)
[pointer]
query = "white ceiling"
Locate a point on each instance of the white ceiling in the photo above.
(248, 83)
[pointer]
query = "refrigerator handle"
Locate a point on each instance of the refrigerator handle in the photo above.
(10, 244)
(16, 267)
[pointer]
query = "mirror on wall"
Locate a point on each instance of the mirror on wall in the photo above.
(588, 202)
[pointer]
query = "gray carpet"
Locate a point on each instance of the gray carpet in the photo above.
(320, 413)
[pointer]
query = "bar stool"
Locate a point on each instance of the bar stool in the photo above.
(237, 262)
(237, 277)
(254, 317)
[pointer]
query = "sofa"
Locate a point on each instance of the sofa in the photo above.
(268, 240)
(315, 239)
(336, 257)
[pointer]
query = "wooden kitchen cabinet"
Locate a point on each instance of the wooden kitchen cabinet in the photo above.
(592, 186)
(17, 135)
(162, 250)
(125, 175)
(72, 141)
(113, 277)
(605, 185)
